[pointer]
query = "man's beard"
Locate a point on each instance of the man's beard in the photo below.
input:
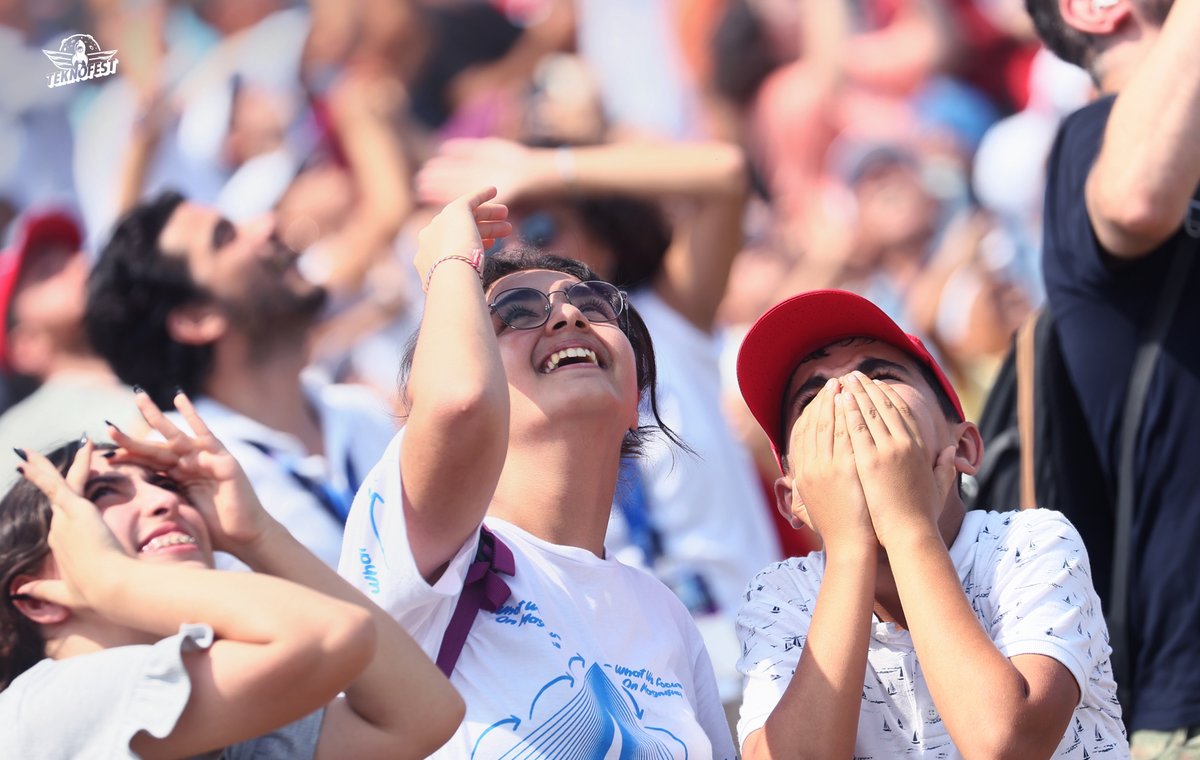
(275, 316)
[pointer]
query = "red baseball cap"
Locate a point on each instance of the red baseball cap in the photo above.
(36, 230)
(793, 329)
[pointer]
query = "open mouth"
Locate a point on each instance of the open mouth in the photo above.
(167, 540)
(569, 356)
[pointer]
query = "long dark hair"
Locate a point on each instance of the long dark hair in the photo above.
(24, 546)
(520, 259)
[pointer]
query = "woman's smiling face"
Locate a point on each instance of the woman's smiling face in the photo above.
(148, 513)
(570, 364)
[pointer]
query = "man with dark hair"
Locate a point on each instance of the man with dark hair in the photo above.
(184, 299)
(1121, 219)
(43, 278)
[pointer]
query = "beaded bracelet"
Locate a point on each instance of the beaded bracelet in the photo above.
(475, 260)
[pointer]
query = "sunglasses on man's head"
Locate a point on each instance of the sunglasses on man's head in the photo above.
(529, 308)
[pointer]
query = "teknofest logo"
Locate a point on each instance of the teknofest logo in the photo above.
(79, 58)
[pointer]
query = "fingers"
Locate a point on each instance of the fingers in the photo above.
(184, 406)
(860, 436)
(867, 421)
(900, 409)
(477, 198)
(945, 473)
(48, 590)
(155, 454)
(154, 417)
(77, 475)
(42, 473)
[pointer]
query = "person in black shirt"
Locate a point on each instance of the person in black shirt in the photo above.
(1122, 180)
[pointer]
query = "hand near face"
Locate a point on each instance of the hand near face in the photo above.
(468, 223)
(826, 482)
(904, 483)
(85, 552)
(210, 477)
(465, 164)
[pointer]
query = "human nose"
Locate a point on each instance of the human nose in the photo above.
(564, 313)
(161, 502)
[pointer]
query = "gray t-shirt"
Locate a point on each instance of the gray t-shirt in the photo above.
(93, 705)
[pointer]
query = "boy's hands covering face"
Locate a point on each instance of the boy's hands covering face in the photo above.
(826, 481)
(904, 485)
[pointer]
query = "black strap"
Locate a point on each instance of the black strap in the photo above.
(1145, 360)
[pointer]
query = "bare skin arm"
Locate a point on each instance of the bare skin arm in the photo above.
(457, 392)
(817, 716)
(993, 706)
(708, 179)
(375, 719)
(1149, 164)
(281, 652)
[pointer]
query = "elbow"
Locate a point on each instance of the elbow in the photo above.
(729, 163)
(347, 642)
(1131, 222)
(481, 408)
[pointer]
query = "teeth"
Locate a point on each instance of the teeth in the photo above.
(558, 356)
(169, 539)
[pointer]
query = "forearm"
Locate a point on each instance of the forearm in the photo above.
(458, 398)
(818, 714)
(1149, 164)
(982, 697)
(643, 168)
(245, 607)
(373, 698)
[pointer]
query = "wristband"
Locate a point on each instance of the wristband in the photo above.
(475, 260)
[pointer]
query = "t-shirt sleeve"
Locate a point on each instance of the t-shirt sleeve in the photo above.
(295, 741)
(93, 705)
(377, 557)
(1042, 600)
(772, 626)
(1073, 254)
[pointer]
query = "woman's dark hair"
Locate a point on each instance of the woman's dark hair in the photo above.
(24, 530)
(131, 291)
(518, 259)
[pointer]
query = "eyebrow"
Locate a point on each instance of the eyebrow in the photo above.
(223, 233)
(101, 480)
(866, 366)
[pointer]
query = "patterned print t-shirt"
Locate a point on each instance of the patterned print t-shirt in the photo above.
(1027, 577)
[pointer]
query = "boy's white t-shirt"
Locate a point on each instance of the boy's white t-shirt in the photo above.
(1028, 579)
(588, 658)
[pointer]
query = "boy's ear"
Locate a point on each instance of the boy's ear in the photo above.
(196, 324)
(37, 610)
(968, 452)
(791, 508)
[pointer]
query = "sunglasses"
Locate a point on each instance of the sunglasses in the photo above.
(529, 308)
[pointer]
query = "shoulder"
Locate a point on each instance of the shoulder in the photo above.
(782, 590)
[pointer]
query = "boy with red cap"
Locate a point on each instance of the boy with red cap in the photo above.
(919, 629)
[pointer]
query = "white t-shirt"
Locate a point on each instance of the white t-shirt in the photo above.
(1029, 582)
(355, 427)
(585, 658)
(93, 705)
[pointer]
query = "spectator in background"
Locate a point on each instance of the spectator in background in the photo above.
(1121, 214)
(43, 288)
(183, 298)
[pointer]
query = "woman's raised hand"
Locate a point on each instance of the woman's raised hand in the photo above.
(468, 224)
(85, 552)
(211, 478)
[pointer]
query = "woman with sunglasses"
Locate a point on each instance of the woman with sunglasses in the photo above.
(119, 640)
(523, 397)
